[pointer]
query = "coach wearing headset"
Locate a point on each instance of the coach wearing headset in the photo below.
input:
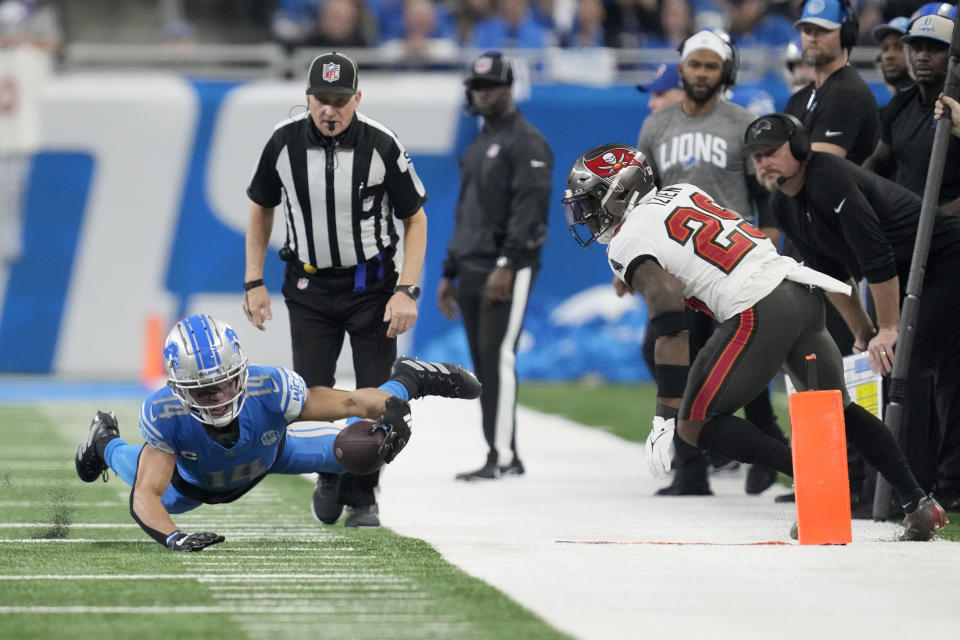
(849, 223)
(700, 141)
(837, 108)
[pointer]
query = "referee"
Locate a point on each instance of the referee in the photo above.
(344, 182)
(494, 255)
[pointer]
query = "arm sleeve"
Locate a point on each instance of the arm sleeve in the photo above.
(530, 186)
(406, 191)
(265, 188)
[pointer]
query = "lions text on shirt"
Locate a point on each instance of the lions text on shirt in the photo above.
(725, 264)
(274, 398)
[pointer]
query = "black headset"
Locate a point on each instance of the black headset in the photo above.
(850, 27)
(798, 138)
(731, 65)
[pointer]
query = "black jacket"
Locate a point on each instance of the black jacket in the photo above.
(504, 198)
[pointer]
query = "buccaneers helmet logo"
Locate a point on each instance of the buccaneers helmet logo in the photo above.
(609, 163)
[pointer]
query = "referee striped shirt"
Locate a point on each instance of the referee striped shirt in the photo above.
(340, 195)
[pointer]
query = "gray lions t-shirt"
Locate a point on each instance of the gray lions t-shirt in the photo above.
(705, 151)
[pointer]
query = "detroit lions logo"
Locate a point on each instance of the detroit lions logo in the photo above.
(171, 355)
(759, 127)
(234, 339)
(270, 437)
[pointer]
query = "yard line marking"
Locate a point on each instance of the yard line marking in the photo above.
(311, 609)
(207, 577)
(73, 540)
(34, 503)
(77, 525)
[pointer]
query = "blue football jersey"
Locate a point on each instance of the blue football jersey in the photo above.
(274, 398)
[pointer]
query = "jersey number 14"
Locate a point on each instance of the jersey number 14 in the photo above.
(717, 243)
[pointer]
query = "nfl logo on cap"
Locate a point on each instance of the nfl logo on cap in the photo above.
(331, 72)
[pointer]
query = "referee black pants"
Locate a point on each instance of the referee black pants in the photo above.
(323, 310)
(492, 332)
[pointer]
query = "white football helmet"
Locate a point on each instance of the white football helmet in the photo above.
(206, 368)
(602, 185)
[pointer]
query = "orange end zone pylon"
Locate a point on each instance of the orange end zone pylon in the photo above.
(820, 478)
(152, 372)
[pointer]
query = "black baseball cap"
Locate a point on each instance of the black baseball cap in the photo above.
(768, 132)
(491, 68)
(332, 73)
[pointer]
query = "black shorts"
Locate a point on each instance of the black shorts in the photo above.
(747, 350)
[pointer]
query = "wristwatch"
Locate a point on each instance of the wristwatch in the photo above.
(503, 262)
(411, 290)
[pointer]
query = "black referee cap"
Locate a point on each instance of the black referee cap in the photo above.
(332, 73)
(491, 68)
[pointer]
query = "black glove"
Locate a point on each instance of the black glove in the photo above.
(396, 420)
(180, 541)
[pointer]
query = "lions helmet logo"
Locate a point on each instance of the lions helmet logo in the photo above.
(759, 127)
(609, 163)
(171, 355)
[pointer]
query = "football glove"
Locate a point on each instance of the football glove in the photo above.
(396, 420)
(660, 447)
(192, 542)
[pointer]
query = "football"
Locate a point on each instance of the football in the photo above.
(356, 448)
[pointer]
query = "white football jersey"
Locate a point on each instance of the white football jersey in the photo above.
(726, 265)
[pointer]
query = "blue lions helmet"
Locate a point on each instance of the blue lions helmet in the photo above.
(206, 368)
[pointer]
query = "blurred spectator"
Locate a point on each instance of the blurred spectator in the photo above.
(798, 72)
(676, 24)
(512, 27)
(418, 44)
(587, 29)
(30, 34)
(324, 23)
(752, 25)
(176, 28)
(391, 16)
(469, 13)
(890, 57)
(628, 22)
(665, 89)
(32, 24)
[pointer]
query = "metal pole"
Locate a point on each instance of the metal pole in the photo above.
(893, 415)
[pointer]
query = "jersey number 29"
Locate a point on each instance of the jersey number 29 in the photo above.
(719, 244)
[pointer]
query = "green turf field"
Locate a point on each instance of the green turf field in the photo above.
(603, 406)
(73, 564)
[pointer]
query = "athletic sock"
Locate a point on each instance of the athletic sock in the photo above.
(740, 440)
(874, 442)
(397, 388)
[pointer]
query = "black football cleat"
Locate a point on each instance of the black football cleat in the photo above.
(90, 464)
(325, 506)
(422, 378)
(759, 479)
(366, 516)
(515, 468)
(923, 522)
(489, 471)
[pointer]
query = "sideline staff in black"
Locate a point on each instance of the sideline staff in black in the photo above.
(501, 224)
(837, 109)
(343, 180)
(848, 223)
